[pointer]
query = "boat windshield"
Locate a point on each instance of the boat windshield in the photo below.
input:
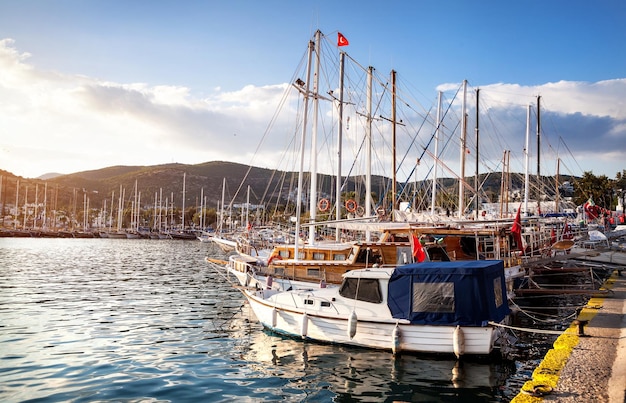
(361, 289)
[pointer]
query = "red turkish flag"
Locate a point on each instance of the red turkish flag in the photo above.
(419, 254)
(516, 229)
(341, 40)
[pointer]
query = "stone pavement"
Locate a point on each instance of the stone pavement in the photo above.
(587, 366)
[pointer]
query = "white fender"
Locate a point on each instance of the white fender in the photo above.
(274, 316)
(458, 342)
(305, 325)
(397, 335)
(352, 324)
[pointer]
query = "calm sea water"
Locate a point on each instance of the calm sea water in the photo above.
(86, 320)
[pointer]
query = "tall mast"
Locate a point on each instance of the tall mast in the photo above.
(313, 191)
(476, 201)
(433, 192)
(393, 142)
(539, 181)
(462, 153)
(338, 209)
(302, 147)
(527, 160)
(368, 134)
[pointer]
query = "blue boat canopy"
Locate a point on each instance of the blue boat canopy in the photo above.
(467, 293)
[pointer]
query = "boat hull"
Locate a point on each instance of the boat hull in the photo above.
(377, 334)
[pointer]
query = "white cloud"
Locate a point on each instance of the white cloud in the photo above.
(53, 122)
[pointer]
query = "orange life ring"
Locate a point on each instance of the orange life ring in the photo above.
(351, 205)
(323, 205)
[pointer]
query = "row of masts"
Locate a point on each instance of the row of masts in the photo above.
(310, 92)
(39, 215)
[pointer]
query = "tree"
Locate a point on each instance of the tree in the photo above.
(597, 188)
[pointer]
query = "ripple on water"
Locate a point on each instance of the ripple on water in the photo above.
(86, 320)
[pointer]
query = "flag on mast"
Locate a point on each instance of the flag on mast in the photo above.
(341, 40)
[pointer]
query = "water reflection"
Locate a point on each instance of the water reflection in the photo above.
(133, 320)
(354, 374)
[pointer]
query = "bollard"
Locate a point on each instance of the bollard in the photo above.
(581, 327)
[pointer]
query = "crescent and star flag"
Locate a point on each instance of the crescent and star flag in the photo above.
(341, 40)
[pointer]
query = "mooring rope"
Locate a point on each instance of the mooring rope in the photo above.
(528, 330)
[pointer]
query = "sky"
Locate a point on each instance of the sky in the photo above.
(89, 84)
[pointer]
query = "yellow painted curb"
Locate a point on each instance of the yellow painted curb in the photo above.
(546, 376)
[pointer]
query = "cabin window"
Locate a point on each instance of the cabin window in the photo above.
(284, 254)
(301, 255)
(362, 289)
(325, 304)
(404, 255)
(497, 289)
(308, 302)
(315, 272)
(318, 256)
(279, 271)
(433, 297)
(339, 256)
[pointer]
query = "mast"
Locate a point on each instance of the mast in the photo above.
(202, 208)
(338, 209)
(119, 211)
(313, 191)
(36, 205)
(17, 199)
(248, 208)
(221, 224)
(302, 147)
(539, 181)
(476, 201)
(183, 214)
(527, 160)
(161, 210)
(556, 194)
(26, 206)
(433, 192)
(502, 183)
(462, 153)
(393, 142)
(368, 134)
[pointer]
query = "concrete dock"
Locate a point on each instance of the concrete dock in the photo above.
(588, 361)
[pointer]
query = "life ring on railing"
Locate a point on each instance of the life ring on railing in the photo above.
(323, 205)
(351, 205)
(360, 211)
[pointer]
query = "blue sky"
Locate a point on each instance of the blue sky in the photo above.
(205, 67)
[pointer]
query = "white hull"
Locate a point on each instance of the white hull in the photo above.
(226, 245)
(329, 325)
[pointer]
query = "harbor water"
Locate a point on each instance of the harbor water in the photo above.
(103, 320)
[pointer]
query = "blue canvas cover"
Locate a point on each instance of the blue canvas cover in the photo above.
(468, 293)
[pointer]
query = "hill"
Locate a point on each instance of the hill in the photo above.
(165, 181)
